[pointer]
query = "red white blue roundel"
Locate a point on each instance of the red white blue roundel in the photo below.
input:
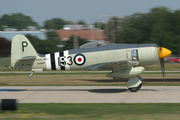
(79, 59)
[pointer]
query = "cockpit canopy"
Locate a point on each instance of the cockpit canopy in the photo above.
(94, 44)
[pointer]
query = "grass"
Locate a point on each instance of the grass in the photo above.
(168, 67)
(83, 78)
(14, 79)
(5, 61)
(95, 111)
(78, 73)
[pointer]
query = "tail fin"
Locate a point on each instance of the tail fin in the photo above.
(22, 52)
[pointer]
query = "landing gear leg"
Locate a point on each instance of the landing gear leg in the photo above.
(134, 84)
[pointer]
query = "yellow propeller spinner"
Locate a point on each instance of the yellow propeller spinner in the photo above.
(163, 52)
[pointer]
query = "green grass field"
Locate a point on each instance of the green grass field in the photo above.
(81, 111)
(94, 111)
(4, 61)
(82, 79)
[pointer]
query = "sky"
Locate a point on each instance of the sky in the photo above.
(88, 10)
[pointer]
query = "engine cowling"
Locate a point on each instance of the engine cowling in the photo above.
(148, 55)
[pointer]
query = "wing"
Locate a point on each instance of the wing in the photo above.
(111, 65)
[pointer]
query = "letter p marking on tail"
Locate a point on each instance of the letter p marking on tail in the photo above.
(24, 44)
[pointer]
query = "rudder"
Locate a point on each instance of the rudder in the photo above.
(21, 49)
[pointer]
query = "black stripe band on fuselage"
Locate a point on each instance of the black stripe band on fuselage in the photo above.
(61, 54)
(53, 66)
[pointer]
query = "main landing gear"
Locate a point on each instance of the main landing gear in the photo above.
(134, 84)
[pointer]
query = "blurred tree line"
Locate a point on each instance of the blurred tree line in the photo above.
(16, 20)
(20, 21)
(5, 47)
(51, 44)
(142, 28)
(45, 46)
(138, 28)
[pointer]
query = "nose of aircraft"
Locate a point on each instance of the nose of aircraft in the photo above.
(163, 52)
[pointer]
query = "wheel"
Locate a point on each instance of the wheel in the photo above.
(135, 89)
(139, 87)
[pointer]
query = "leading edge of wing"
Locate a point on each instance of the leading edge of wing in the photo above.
(111, 65)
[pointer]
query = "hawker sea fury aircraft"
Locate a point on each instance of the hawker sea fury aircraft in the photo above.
(125, 60)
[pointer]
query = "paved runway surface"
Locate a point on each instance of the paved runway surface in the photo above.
(90, 94)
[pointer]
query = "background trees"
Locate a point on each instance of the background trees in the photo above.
(69, 44)
(99, 25)
(46, 46)
(142, 28)
(137, 28)
(5, 47)
(51, 44)
(55, 23)
(16, 20)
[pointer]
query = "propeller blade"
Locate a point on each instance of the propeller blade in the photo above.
(160, 39)
(161, 50)
(162, 67)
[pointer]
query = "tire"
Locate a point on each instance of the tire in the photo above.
(135, 89)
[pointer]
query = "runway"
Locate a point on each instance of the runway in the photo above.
(90, 94)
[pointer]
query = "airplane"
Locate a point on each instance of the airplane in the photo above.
(125, 60)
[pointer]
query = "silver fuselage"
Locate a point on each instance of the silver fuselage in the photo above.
(76, 59)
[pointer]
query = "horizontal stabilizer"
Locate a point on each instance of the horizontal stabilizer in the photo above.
(12, 67)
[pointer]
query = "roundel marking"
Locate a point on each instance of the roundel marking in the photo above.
(79, 59)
